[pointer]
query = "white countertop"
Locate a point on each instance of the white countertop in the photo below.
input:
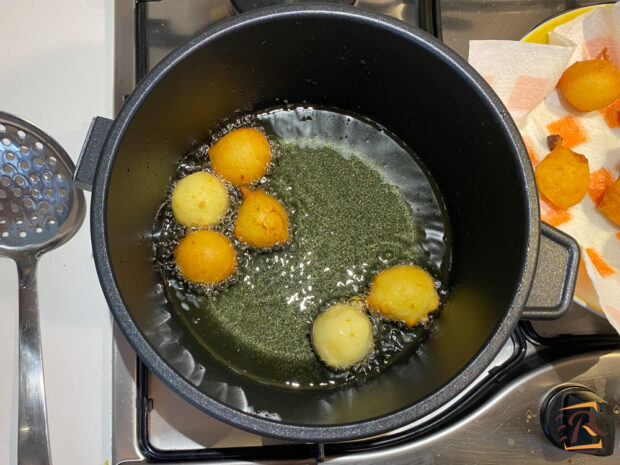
(57, 72)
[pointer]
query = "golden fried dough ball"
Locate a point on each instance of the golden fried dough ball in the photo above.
(591, 84)
(199, 200)
(563, 177)
(342, 336)
(610, 203)
(261, 221)
(403, 293)
(242, 156)
(206, 257)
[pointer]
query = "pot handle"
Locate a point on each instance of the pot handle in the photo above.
(551, 294)
(86, 167)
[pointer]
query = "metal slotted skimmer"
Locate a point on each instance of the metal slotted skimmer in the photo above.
(40, 209)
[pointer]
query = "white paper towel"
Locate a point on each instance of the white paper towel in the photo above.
(525, 75)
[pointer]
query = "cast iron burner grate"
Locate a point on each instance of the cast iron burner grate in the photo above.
(156, 36)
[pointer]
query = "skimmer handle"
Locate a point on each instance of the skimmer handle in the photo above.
(32, 434)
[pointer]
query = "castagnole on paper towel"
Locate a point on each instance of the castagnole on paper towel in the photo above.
(590, 84)
(610, 202)
(563, 177)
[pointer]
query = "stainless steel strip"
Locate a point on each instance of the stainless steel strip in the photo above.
(124, 397)
(124, 52)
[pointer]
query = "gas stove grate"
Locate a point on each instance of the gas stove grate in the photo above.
(524, 338)
(496, 378)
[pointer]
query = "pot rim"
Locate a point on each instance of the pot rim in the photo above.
(248, 421)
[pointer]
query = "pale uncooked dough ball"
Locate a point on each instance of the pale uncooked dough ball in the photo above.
(342, 336)
(403, 293)
(199, 200)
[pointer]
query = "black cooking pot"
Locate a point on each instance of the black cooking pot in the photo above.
(505, 265)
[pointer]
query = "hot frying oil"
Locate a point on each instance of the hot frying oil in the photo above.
(358, 201)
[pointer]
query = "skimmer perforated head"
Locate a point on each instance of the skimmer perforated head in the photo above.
(39, 206)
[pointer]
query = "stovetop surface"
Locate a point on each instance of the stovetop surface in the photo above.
(501, 423)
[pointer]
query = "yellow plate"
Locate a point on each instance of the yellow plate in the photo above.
(540, 34)
(585, 294)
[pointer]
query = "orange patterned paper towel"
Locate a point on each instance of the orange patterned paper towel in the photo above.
(521, 74)
(524, 75)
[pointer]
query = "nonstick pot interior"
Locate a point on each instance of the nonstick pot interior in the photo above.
(379, 68)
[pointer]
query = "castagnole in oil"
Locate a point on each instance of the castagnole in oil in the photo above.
(403, 293)
(342, 336)
(206, 257)
(241, 157)
(563, 177)
(262, 221)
